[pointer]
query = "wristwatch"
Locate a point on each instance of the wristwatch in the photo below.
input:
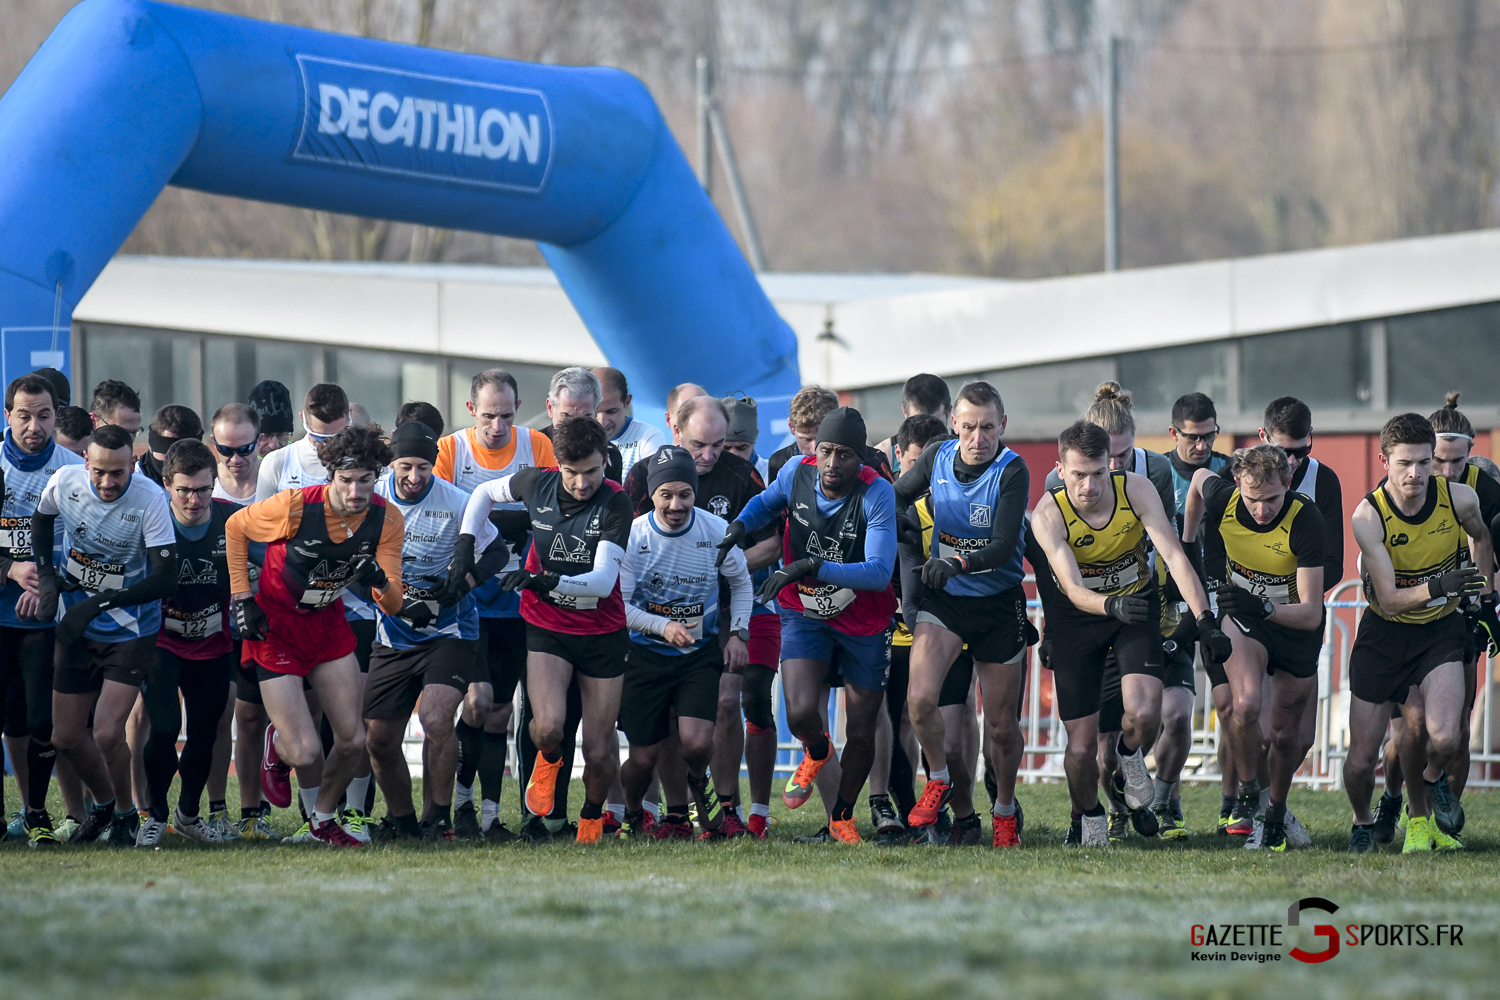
(1270, 607)
(743, 634)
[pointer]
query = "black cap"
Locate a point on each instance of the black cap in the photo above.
(744, 422)
(274, 404)
(844, 426)
(671, 464)
(414, 439)
(60, 385)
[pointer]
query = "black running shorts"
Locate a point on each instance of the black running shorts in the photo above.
(1390, 657)
(1080, 646)
(994, 628)
(1290, 650)
(656, 684)
(602, 656)
(397, 676)
(502, 655)
(84, 667)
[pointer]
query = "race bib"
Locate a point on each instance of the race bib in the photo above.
(570, 603)
(94, 574)
(824, 600)
(950, 546)
(319, 597)
(1275, 589)
(15, 536)
(689, 616)
(1116, 576)
(193, 625)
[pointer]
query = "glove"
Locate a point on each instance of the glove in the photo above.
(416, 614)
(525, 579)
(787, 575)
(457, 584)
(77, 618)
(1456, 583)
(1185, 632)
(365, 571)
(736, 534)
(1216, 645)
(1044, 652)
(514, 526)
(909, 528)
(937, 572)
(1238, 602)
(1487, 625)
(248, 620)
(46, 582)
(1128, 608)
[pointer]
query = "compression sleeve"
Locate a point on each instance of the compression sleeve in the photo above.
(918, 479)
(507, 489)
(880, 544)
(1010, 509)
(741, 593)
(160, 582)
(599, 581)
(768, 504)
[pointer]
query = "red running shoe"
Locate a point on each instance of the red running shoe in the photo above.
(333, 835)
(934, 797)
(673, 829)
(1006, 832)
(758, 826)
(611, 824)
(730, 827)
(275, 777)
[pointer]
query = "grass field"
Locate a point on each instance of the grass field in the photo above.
(748, 918)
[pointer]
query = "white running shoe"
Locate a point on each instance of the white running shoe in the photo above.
(195, 828)
(1096, 831)
(354, 823)
(302, 836)
(1252, 842)
(150, 832)
(1296, 833)
(1139, 790)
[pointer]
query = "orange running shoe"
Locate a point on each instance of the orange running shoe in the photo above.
(542, 788)
(844, 831)
(1006, 832)
(590, 830)
(799, 786)
(934, 797)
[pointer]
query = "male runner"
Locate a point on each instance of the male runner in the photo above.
(170, 424)
(119, 558)
(680, 394)
(834, 590)
(421, 412)
(28, 458)
(320, 540)
(971, 596)
(921, 394)
(575, 618)
(744, 431)
(635, 440)
(575, 392)
(671, 591)
(805, 414)
(116, 403)
(195, 649)
(1095, 535)
(1409, 648)
(273, 404)
(1263, 549)
(428, 649)
(493, 448)
(74, 426)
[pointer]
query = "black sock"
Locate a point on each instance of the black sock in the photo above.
(635, 818)
(820, 748)
(442, 814)
(492, 754)
(1120, 747)
(158, 813)
(1275, 811)
(1098, 810)
(553, 757)
(591, 810)
(843, 809)
(39, 758)
(214, 806)
(1251, 789)
(470, 751)
(1226, 804)
(676, 814)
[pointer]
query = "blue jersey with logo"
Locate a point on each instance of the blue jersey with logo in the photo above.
(23, 490)
(671, 575)
(962, 516)
(432, 524)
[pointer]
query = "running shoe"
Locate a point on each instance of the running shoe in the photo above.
(1273, 834)
(354, 822)
(758, 826)
(16, 828)
(823, 836)
(638, 827)
(844, 831)
(499, 833)
(1007, 832)
(1095, 831)
(935, 795)
(1119, 825)
(611, 824)
(732, 828)
(1226, 813)
(390, 830)
(1168, 826)
(67, 829)
(1387, 814)
(590, 831)
(534, 831)
(195, 828)
(1296, 834)
(40, 833)
(439, 831)
(95, 825)
(1442, 841)
(1242, 823)
(275, 777)
(541, 790)
(150, 832)
(1418, 834)
(1145, 822)
(304, 835)
(966, 832)
(800, 785)
(466, 822)
(1074, 837)
(1447, 811)
(330, 832)
(257, 827)
(673, 828)
(1139, 789)
(122, 830)
(1361, 839)
(884, 817)
(219, 821)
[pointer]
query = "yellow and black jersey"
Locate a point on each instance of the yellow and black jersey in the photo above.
(1421, 548)
(1260, 558)
(1112, 559)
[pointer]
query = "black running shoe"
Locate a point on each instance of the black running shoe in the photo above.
(1145, 822)
(1119, 824)
(438, 831)
(1387, 812)
(95, 824)
(965, 832)
(823, 836)
(1447, 811)
(499, 833)
(466, 823)
(122, 829)
(534, 831)
(392, 829)
(1226, 813)
(1361, 839)
(1075, 833)
(1273, 832)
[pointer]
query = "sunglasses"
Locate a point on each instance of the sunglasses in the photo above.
(1299, 453)
(243, 450)
(1196, 438)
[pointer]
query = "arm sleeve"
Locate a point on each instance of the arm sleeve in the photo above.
(160, 582)
(741, 593)
(388, 554)
(911, 559)
(269, 476)
(1307, 538)
(492, 559)
(766, 505)
(1331, 506)
(506, 489)
(1214, 563)
(265, 521)
(1010, 509)
(443, 467)
(1046, 585)
(600, 580)
(918, 479)
(880, 544)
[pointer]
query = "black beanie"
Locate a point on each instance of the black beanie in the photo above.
(846, 427)
(414, 439)
(60, 386)
(671, 464)
(273, 402)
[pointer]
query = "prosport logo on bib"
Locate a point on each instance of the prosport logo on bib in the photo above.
(420, 126)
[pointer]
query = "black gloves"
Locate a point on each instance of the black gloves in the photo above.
(1457, 583)
(937, 572)
(47, 587)
(514, 526)
(416, 613)
(1237, 602)
(248, 620)
(736, 533)
(77, 618)
(1044, 652)
(457, 585)
(1216, 645)
(525, 579)
(788, 574)
(1128, 608)
(365, 571)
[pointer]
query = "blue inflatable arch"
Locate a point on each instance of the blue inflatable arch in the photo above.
(127, 96)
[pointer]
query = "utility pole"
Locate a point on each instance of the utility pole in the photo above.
(737, 189)
(705, 164)
(1112, 153)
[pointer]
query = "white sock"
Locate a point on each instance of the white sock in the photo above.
(463, 795)
(309, 799)
(655, 809)
(319, 818)
(488, 813)
(553, 825)
(940, 776)
(760, 809)
(739, 811)
(618, 808)
(358, 789)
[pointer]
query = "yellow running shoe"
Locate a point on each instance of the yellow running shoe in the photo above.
(1419, 831)
(1442, 841)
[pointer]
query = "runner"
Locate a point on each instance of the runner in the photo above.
(74, 427)
(119, 559)
(320, 540)
(835, 594)
(493, 448)
(575, 392)
(575, 618)
(920, 395)
(636, 440)
(744, 431)
(1409, 649)
(1263, 549)
(427, 651)
(671, 593)
(116, 403)
(170, 424)
(28, 458)
(194, 650)
(1109, 601)
(273, 404)
(971, 596)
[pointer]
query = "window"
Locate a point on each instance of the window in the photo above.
(158, 366)
(1157, 379)
(1065, 388)
(1327, 367)
(1431, 354)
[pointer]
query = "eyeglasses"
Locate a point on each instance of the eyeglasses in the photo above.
(188, 492)
(1196, 438)
(243, 450)
(1299, 453)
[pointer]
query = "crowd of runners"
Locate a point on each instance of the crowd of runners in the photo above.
(287, 606)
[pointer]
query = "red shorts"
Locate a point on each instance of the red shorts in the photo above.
(764, 646)
(295, 643)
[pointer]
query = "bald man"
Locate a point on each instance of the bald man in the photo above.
(675, 399)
